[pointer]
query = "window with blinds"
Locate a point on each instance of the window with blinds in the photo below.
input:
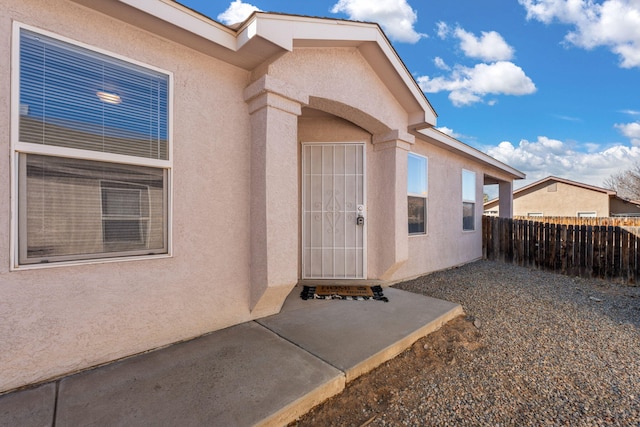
(75, 98)
(93, 154)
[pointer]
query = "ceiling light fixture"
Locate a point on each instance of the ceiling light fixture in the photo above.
(109, 98)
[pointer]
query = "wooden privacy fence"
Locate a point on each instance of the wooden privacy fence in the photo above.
(623, 221)
(602, 251)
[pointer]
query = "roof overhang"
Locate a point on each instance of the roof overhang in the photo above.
(544, 181)
(442, 140)
(264, 36)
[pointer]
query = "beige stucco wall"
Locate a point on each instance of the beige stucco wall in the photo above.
(567, 200)
(619, 206)
(445, 244)
(57, 320)
(342, 76)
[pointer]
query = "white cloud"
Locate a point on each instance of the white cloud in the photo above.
(469, 85)
(236, 12)
(546, 156)
(568, 118)
(611, 23)
(631, 131)
(442, 29)
(439, 62)
(490, 46)
(448, 131)
(396, 17)
(591, 147)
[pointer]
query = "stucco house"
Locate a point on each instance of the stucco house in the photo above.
(164, 175)
(553, 196)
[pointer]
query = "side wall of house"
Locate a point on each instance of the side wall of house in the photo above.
(621, 207)
(560, 199)
(444, 244)
(56, 320)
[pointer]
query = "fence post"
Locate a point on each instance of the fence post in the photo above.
(589, 251)
(535, 247)
(624, 256)
(563, 249)
(617, 255)
(582, 232)
(570, 242)
(610, 252)
(547, 245)
(635, 248)
(485, 240)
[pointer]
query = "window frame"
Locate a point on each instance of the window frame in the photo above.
(141, 217)
(20, 150)
(467, 201)
(424, 197)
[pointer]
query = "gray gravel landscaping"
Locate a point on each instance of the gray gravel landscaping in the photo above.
(557, 351)
(552, 350)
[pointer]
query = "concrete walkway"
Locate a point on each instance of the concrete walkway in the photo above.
(266, 372)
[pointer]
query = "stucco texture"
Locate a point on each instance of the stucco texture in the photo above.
(444, 244)
(235, 199)
(58, 320)
(560, 199)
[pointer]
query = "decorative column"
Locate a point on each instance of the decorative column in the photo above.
(387, 198)
(274, 107)
(505, 202)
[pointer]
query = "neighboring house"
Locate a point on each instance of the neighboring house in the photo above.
(554, 196)
(164, 176)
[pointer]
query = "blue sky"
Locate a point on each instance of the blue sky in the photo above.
(550, 87)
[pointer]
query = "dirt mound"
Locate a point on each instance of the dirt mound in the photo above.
(372, 393)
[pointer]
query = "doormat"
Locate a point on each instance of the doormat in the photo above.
(354, 293)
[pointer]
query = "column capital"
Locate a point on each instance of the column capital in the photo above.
(393, 139)
(268, 91)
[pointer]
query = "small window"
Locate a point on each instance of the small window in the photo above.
(468, 200)
(552, 188)
(417, 193)
(92, 153)
(534, 214)
(125, 214)
(587, 214)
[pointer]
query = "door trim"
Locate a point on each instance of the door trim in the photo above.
(303, 221)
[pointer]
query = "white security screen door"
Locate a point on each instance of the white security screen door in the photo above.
(333, 238)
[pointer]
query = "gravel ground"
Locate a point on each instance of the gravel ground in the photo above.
(550, 350)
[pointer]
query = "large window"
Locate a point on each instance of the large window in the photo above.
(468, 200)
(417, 193)
(92, 154)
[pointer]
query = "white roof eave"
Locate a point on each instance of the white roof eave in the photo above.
(449, 143)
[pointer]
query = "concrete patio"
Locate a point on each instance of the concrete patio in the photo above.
(266, 372)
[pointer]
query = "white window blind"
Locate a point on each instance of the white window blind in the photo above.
(73, 97)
